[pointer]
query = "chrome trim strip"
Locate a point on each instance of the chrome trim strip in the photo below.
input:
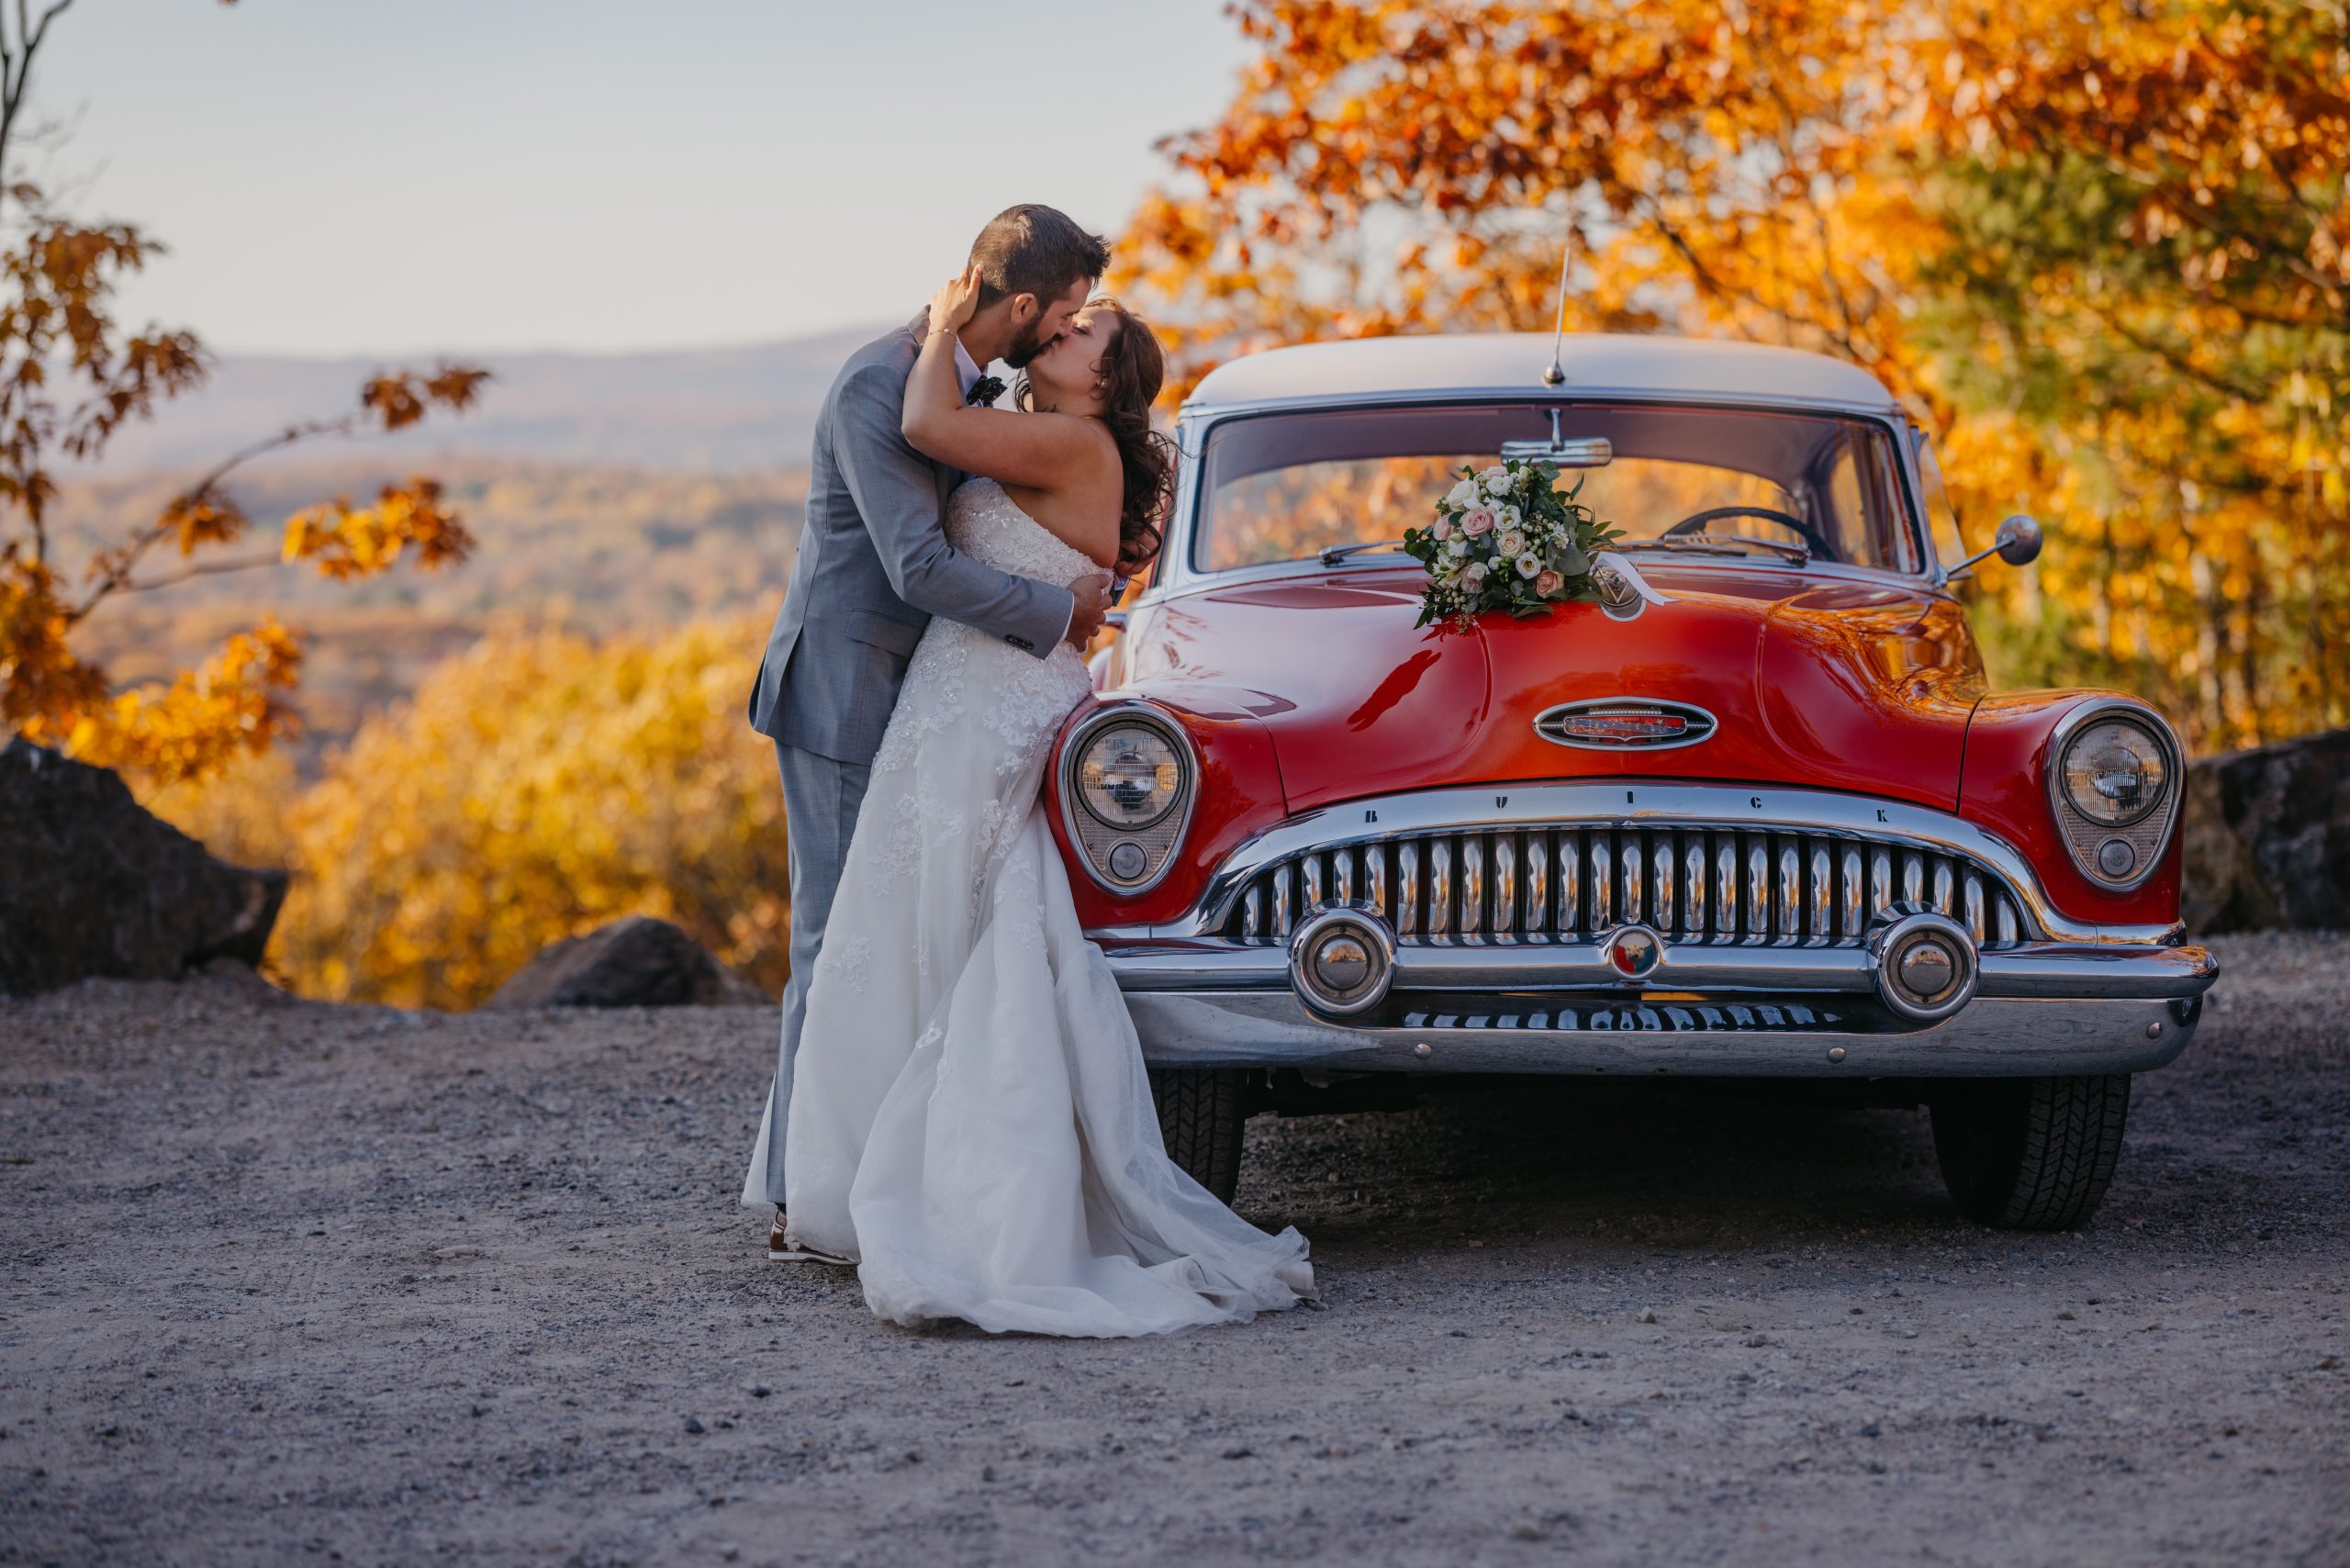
(1505, 884)
(1603, 857)
(1439, 887)
(1537, 880)
(1472, 885)
(2072, 971)
(1790, 916)
(1821, 925)
(1111, 712)
(1991, 1038)
(1750, 810)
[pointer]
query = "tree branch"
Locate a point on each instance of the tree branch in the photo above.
(119, 577)
(12, 89)
(207, 569)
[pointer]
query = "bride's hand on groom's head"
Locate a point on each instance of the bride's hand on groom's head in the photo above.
(957, 301)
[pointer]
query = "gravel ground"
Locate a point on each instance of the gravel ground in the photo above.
(286, 1280)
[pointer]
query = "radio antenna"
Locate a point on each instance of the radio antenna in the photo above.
(1554, 375)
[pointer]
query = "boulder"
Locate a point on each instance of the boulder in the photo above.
(635, 962)
(2267, 837)
(93, 883)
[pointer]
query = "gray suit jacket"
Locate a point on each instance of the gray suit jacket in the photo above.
(874, 568)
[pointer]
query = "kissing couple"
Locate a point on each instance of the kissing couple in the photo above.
(960, 1107)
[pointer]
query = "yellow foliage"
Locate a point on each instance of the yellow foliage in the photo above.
(534, 787)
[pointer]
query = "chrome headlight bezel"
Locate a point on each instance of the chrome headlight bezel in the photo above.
(1163, 787)
(1158, 840)
(2145, 836)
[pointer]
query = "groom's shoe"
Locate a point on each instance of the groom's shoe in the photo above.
(781, 1249)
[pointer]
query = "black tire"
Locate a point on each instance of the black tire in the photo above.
(1202, 1111)
(2030, 1153)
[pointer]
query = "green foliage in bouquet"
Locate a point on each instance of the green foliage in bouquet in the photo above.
(1507, 538)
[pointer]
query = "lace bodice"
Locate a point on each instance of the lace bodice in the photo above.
(961, 679)
(989, 526)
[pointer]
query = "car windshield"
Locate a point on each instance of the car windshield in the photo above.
(1771, 487)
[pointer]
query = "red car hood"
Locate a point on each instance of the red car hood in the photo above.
(1815, 681)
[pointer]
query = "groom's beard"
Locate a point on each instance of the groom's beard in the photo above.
(1028, 345)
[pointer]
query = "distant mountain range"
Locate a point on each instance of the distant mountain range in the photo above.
(693, 410)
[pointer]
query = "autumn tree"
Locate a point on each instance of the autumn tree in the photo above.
(537, 787)
(69, 378)
(2099, 247)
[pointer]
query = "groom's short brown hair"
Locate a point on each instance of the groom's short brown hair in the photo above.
(1034, 250)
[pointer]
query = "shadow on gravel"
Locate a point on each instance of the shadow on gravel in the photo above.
(1686, 1161)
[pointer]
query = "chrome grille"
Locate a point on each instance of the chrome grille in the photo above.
(1574, 882)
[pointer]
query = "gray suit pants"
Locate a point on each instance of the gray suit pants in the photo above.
(821, 796)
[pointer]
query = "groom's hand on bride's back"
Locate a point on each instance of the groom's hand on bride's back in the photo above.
(1092, 594)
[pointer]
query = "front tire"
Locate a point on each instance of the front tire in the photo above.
(2030, 1153)
(1202, 1112)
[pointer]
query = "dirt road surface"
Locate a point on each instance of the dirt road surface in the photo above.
(287, 1282)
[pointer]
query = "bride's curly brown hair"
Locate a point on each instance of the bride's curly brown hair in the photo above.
(1135, 366)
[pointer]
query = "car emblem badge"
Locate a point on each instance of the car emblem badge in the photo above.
(1624, 724)
(1634, 950)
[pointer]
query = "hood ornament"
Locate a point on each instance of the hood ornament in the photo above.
(1623, 592)
(1625, 723)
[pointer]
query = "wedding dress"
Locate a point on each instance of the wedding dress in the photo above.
(970, 1119)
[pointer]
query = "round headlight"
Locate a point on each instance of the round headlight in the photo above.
(2114, 773)
(1129, 776)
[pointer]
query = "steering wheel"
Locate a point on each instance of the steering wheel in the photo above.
(1696, 523)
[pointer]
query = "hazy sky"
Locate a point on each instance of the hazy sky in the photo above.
(370, 176)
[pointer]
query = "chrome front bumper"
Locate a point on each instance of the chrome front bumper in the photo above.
(2040, 1009)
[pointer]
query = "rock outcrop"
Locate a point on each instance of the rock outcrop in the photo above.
(2267, 837)
(93, 883)
(636, 962)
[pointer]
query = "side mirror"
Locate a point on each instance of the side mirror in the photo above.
(2017, 542)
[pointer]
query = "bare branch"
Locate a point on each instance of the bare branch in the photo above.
(205, 569)
(12, 88)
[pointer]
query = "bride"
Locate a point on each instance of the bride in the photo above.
(970, 1121)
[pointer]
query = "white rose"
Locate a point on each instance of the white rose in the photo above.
(1473, 574)
(1527, 565)
(1463, 495)
(1511, 541)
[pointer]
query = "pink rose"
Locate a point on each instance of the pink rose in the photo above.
(1479, 520)
(1546, 582)
(1443, 529)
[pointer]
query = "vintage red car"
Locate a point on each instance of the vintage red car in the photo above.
(1776, 825)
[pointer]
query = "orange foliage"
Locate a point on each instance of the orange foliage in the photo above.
(2099, 247)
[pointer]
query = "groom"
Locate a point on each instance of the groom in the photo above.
(874, 568)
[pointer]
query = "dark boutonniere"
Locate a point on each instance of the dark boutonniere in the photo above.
(984, 391)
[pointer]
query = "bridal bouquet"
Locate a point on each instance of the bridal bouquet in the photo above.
(1506, 537)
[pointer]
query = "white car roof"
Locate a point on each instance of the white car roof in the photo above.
(1513, 362)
